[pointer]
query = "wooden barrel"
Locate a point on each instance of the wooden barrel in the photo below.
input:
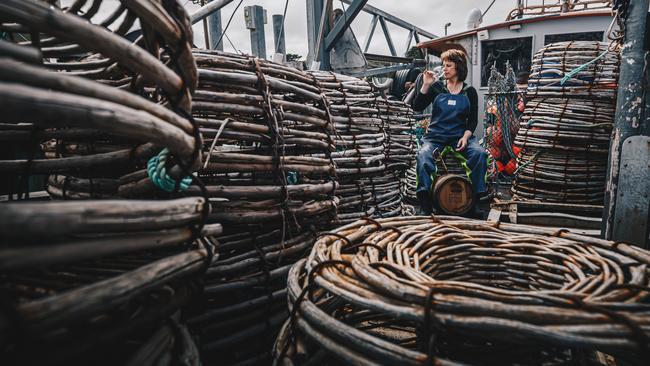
(453, 194)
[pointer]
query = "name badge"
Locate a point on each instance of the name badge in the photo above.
(451, 102)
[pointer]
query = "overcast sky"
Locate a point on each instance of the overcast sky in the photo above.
(430, 15)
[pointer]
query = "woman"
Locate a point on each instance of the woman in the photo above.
(453, 121)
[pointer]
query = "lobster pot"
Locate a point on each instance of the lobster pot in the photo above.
(245, 294)
(369, 197)
(270, 180)
(591, 69)
(408, 186)
(411, 290)
(409, 179)
(100, 282)
(267, 142)
(562, 177)
(97, 281)
(374, 146)
(565, 129)
(85, 108)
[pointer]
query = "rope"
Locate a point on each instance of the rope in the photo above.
(278, 142)
(532, 160)
(157, 171)
(580, 68)
(330, 141)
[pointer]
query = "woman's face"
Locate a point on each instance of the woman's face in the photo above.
(449, 69)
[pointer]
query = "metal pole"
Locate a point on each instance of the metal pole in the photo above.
(255, 20)
(314, 11)
(389, 40)
(204, 11)
(409, 38)
(206, 33)
(279, 52)
(371, 31)
(565, 6)
(392, 19)
(318, 23)
(343, 23)
(215, 30)
(629, 121)
(416, 35)
(278, 34)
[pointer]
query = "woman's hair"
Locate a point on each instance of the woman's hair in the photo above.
(459, 58)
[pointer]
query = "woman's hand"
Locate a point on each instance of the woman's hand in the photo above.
(462, 144)
(428, 78)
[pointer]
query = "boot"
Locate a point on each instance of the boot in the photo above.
(476, 212)
(426, 208)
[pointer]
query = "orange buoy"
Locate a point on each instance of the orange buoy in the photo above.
(511, 167)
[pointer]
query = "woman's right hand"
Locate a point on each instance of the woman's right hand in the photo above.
(428, 78)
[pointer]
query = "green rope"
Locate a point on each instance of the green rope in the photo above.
(527, 163)
(575, 71)
(157, 171)
(461, 160)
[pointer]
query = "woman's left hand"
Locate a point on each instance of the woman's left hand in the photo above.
(462, 144)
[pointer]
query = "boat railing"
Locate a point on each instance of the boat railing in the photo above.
(543, 7)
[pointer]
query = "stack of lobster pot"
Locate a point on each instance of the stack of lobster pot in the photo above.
(566, 126)
(271, 181)
(91, 281)
(375, 146)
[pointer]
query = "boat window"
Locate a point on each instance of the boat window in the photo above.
(519, 51)
(565, 37)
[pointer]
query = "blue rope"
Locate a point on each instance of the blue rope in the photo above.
(575, 71)
(292, 178)
(157, 171)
